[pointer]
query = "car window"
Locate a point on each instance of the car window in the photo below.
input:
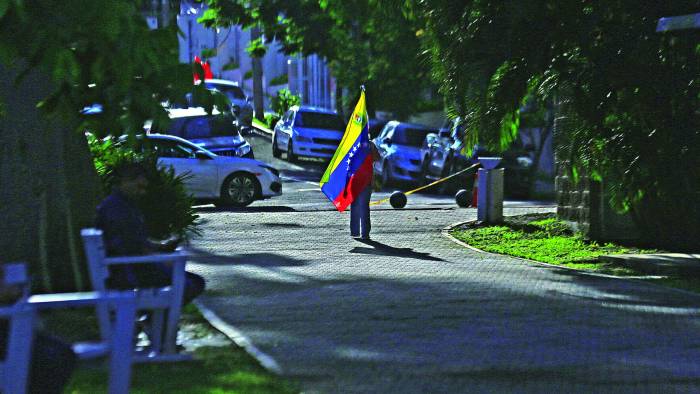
(232, 92)
(409, 136)
(203, 127)
(319, 121)
(172, 149)
(375, 127)
(389, 132)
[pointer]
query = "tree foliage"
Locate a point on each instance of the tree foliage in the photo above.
(632, 93)
(58, 57)
(365, 43)
(166, 205)
(284, 100)
(97, 51)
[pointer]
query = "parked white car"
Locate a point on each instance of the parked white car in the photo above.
(308, 132)
(227, 181)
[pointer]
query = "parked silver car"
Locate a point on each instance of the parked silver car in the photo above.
(217, 132)
(240, 103)
(399, 147)
(309, 132)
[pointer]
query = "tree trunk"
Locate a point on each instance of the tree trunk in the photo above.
(48, 186)
(257, 79)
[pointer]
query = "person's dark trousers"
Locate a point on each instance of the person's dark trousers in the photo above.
(51, 365)
(158, 275)
(359, 213)
(194, 286)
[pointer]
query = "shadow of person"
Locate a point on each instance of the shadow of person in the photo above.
(258, 259)
(381, 249)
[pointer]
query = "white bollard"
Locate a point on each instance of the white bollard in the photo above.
(490, 193)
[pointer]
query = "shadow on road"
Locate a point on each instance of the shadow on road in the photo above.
(209, 208)
(256, 259)
(620, 292)
(381, 249)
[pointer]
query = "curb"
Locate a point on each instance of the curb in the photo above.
(263, 132)
(239, 339)
(445, 232)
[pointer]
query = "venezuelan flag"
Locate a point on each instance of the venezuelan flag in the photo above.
(350, 169)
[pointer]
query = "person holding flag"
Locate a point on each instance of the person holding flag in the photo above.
(348, 179)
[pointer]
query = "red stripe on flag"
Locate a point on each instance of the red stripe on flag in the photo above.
(358, 181)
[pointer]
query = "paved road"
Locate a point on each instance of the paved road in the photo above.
(413, 312)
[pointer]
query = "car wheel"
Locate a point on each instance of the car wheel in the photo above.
(423, 179)
(276, 152)
(291, 157)
(447, 169)
(239, 190)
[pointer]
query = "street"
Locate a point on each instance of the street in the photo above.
(413, 312)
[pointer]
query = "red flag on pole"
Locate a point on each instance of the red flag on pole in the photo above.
(206, 68)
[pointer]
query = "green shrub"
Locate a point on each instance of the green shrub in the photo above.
(279, 80)
(271, 119)
(284, 100)
(166, 205)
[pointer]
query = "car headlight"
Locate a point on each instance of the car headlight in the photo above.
(301, 138)
(243, 149)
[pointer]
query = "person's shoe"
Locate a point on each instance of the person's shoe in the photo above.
(355, 235)
(364, 237)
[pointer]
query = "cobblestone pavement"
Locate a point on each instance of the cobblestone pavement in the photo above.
(413, 312)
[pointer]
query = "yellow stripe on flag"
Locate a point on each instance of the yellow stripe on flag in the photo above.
(352, 131)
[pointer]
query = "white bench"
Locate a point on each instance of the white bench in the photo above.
(164, 302)
(14, 369)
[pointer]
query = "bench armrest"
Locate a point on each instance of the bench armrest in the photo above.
(145, 259)
(62, 300)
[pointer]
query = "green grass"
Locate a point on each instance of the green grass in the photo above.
(541, 237)
(547, 240)
(261, 124)
(215, 369)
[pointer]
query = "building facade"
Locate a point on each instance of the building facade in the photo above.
(309, 77)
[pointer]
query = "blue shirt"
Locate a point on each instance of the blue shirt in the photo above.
(121, 222)
(124, 233)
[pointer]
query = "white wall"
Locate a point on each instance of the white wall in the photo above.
(308, 76)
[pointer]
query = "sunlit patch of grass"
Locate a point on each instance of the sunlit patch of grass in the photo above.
(547, 240)
(215, 369)
(225, 369)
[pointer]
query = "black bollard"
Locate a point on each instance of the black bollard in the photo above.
(463, 198)
(397, 199)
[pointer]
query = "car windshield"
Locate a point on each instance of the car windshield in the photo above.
(232, 92)
(410, 136)
(203, 127)
(318, 120)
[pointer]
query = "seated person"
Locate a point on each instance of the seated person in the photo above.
(52, 360)
(124, 233)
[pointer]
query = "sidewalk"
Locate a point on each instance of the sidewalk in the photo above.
(413, 312)
(659, 263)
